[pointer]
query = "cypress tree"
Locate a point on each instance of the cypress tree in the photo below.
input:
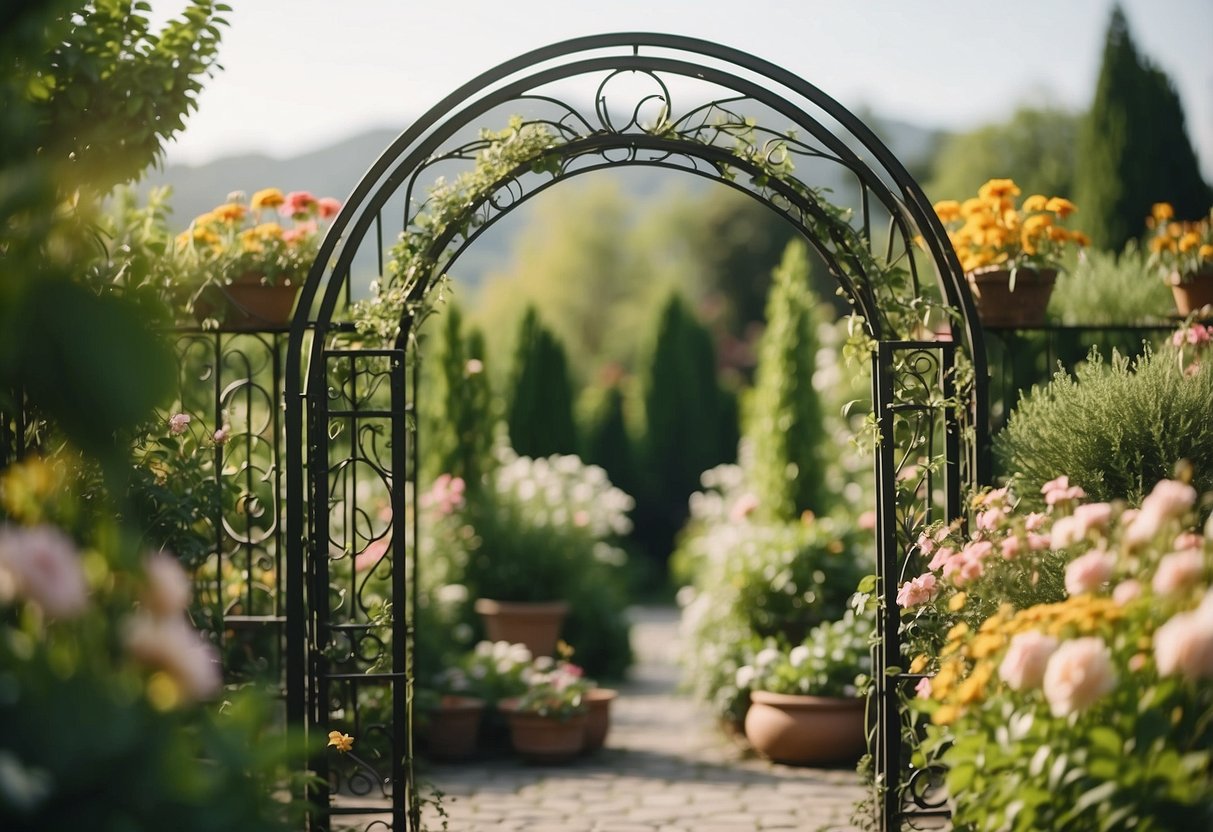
(607, 442)
(784, 423)
(1133, 147)
(682, 425)
(457, 409)
(540, 399)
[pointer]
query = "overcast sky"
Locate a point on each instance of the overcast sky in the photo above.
(299, 74)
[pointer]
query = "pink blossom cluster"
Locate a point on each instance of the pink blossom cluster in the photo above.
(299, 204)
(445, 495)
(40, 564)
(1193, 335)
(160, 637)
(1060, 491)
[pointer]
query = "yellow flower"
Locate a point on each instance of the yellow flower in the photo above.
(947, 210)
(1079, 238)
(342, 742)
(1036, 202)
(269, 231)
(971, 206)
(1189, 241)
(230, 212)
(205, 219)
(997, 189)
(268, 198)
(1061, 206)
(958, 631)
(1037, 224)
(1162, 211)
(919, 664)
(957, 602)
(1206, 251)
(945, 715)
(1161, 244)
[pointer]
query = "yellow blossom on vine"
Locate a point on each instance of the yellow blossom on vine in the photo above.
(342, 742)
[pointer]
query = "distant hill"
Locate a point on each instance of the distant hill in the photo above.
(335, 170)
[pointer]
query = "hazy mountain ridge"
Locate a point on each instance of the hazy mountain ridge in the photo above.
(334, 170)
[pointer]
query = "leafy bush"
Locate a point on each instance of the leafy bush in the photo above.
(1105, 288)
(1115, 429)
(831, 661)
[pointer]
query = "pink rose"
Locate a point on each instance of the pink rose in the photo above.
(168, 587)
(221, 436)
(1060, 491)
(1170, 498)
(174, 647)
(970, 570)
(926, 544)
(1178, 571)
(1010, 547)
(178, 423)
(1023, 666)
(1126, 592)
(297, 204)
(923, 689)
(299, 232)
(1035, 520)
(1066, 532)
(1184, 645)
(328, 207)
(990, 519)
(1089, 572)
(743, 507)
(1093, 516)
(917, 591)
(1079, 672)
(942, 556)
(1039, 542)
(43, 565)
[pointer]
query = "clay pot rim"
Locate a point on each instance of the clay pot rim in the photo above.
(1178, 278)
(453, 703)
(491, 606)
(807, 701)
(998, 273)
(600, 695)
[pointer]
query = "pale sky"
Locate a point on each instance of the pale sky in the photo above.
(299, 74)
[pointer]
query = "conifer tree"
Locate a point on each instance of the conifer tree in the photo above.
(784, 421)
(683, 431)
(607, 442)
(539, 410)
(458, 419)
(1133, 147)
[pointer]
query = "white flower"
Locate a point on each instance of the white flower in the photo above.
(1079, 672)
(799, 655)
(745, 676)
(766, 657)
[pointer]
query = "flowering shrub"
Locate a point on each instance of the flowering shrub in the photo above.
(831, 661)
(991, 231)
(492, 671)
(241, 237)
(555, 688)
(1179, 250)
(1091, 708)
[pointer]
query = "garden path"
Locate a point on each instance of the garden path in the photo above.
(666, 768)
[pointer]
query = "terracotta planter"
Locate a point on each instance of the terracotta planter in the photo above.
(544, 739)
(598, 720)
(454, 727)
(806, 730)
(246, 305)
(1192, 291)
(535, 624)
(998, 306)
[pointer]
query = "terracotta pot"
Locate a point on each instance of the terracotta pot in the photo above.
(998, 306)
(247, 305)
(535, 624)
(806, 730)
(1192, 291)
(544, 739)
(454, 727)
(598, 719)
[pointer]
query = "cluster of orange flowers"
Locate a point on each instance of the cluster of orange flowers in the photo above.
(1179, 249)
(990, 230)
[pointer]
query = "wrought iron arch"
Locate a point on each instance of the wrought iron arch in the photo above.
(348, 403)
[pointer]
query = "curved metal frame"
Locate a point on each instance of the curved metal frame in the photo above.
(523, 79)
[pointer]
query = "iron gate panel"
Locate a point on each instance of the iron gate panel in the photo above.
(358, 564)
(918, 478)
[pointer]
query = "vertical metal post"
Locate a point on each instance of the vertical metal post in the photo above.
(402, 677)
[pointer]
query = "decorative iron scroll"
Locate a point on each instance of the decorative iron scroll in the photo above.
(918, 472)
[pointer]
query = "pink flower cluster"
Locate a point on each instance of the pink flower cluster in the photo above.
(1194, 335)
(1073, 675)
(1060, 491)
(41, 564)
(300, 204)
(445, 495)
(1184, 645)
(160, 637)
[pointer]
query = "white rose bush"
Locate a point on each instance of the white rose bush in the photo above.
(1067, 659)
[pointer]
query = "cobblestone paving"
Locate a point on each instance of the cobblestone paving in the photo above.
(666, 768)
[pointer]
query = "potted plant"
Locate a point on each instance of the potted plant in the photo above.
(245, 267)
(548, 721)
(1010, 253)
(538, 525)
(1182, 252)
(804, 707)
